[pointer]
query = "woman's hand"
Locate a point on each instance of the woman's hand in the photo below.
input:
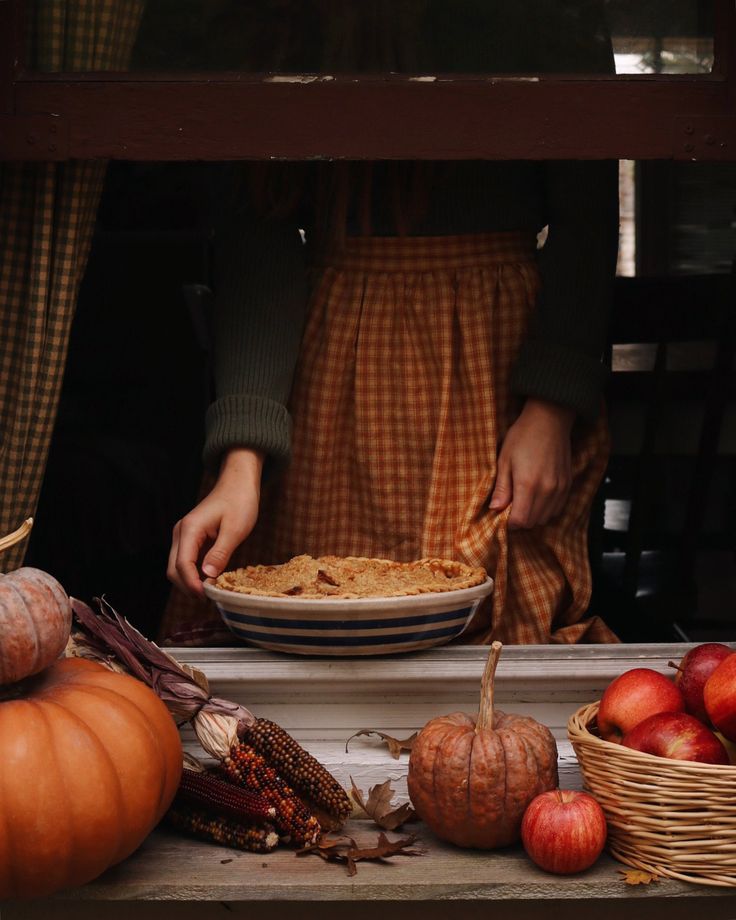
(534, 465)
(222, 520)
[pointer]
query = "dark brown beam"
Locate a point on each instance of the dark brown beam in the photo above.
(461, 119)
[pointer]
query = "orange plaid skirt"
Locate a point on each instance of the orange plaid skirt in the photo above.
(400, 402)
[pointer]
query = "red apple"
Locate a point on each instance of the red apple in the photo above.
(694, 669)
(634, 696)
(563, 831)
(676, 735)
(719, 697)
(730, 746)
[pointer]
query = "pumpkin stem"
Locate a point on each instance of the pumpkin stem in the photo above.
(485, 712)
(17, 535)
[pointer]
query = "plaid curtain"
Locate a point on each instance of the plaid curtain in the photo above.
(47, 215)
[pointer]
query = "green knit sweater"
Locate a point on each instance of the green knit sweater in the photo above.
(261, 289)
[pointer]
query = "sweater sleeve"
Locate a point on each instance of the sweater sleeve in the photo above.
(259, 306)
(561, 359)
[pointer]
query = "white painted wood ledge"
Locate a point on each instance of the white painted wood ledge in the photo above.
(322, 701)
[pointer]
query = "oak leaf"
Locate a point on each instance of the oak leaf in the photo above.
(384, 849)
(379, 806)
(638, 876)
(346, 851)
(395, 745)
(332, 849)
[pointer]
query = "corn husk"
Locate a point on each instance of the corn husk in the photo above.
(16, 536)
(108, 638)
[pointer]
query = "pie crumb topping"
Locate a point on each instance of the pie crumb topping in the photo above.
(351, 577)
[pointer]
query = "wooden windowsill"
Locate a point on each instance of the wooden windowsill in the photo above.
(323, 701)
(173, 868)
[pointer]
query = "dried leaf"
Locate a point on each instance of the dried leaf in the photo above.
(326, 844)
(331, 849)
(345, 850)
(379, 806)
(395, 745)
(638, 876)
(385, 848)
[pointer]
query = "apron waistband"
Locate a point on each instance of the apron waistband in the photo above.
(410, 254)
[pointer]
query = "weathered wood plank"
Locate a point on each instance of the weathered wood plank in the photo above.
(168, 867)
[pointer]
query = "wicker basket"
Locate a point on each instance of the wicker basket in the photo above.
(671, 817)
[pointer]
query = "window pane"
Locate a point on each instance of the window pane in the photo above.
(424, 37)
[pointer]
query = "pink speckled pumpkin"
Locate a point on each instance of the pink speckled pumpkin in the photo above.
(470, 780)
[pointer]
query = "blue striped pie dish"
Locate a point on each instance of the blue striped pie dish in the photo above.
(348, 626)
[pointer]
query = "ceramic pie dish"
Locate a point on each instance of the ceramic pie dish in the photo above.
(349, 625)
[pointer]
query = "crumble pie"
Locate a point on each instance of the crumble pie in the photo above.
(351, 577)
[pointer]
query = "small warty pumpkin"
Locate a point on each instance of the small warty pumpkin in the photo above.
(471, 779)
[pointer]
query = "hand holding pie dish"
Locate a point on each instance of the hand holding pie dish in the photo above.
(350, 605)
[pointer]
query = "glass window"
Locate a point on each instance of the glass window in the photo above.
(420, 37)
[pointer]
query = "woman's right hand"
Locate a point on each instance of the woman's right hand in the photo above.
(218, 524)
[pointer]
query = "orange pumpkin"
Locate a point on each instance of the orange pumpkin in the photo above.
(471, 780)
(35, 622)
(91, 760)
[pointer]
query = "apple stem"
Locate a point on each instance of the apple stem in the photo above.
(671, 664)
(485, 712)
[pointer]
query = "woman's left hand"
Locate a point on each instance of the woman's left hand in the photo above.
(535, 466)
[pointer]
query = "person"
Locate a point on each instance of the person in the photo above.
(417, 379)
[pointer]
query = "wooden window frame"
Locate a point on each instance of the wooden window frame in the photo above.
(235, 116)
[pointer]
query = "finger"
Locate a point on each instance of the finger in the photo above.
(543, 503)
(503, 489)
(558, 500)
(218, 556)
(541, 514)
(171, 572)
(561, 501)
(561, 496)
(191, 540)
(521, 507)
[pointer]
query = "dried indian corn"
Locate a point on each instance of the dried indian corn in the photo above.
(246, 768)
(302, 771)
(257, 838)
(202, 790)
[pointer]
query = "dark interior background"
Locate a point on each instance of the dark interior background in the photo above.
(125, 459)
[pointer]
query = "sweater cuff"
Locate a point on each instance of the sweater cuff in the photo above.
(546, 370)
(247, 421)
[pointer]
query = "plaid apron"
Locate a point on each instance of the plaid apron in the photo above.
(400, 402)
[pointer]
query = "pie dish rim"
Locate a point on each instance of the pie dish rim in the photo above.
(240, 600)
